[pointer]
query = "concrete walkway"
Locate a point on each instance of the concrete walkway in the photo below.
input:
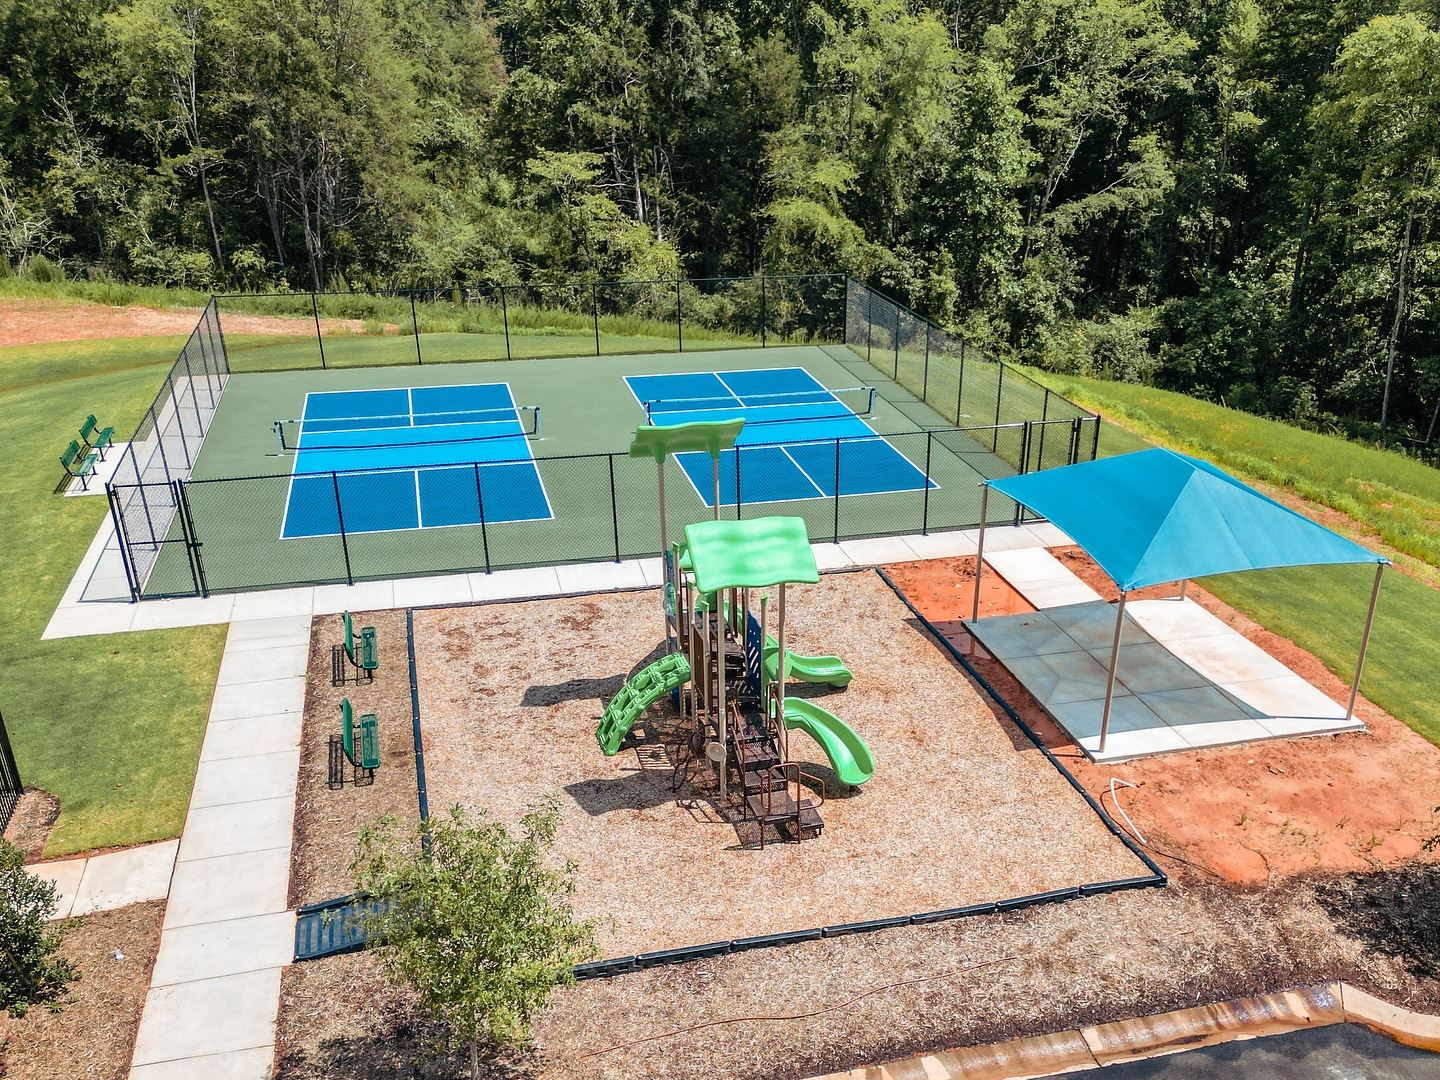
(227, 934)
(115, 879)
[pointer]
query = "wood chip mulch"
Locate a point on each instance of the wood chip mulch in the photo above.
(31, 821)
(91, 1035)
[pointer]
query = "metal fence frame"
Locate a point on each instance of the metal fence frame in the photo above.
(150, 495)
(11, 786)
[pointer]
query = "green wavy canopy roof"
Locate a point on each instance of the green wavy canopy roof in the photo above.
(711, 436)
(750, 554)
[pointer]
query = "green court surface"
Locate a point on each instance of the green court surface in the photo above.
(604, 502)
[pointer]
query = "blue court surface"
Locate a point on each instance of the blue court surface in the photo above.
(788, 447)
(411, 458)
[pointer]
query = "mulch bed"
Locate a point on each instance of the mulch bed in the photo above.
(30, 823)
(962, 809)
(92, 1035)
(327, 822)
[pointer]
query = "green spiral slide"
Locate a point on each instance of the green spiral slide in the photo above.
(639, 692)
(849, 756)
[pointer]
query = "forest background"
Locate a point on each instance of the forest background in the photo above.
(1235, 199)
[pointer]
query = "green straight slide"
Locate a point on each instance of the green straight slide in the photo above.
(849, 756)
(638, 694)
(811, 669)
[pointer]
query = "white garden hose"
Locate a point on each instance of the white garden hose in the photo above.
(1115, 798)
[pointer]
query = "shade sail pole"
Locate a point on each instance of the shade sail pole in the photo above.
(1110, 680)
(980, 549)
(1364, 642)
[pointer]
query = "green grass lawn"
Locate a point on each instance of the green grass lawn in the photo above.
(1321, 609)
(109, 725)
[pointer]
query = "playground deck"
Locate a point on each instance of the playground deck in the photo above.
(961, 808)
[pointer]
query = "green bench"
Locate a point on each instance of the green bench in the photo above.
(360, 651)
(358, 743)
(95, 437)
(79, 464)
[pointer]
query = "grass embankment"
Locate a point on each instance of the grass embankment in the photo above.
(110, 725)
(1389, 498)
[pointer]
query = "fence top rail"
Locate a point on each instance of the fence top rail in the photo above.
(409, 290)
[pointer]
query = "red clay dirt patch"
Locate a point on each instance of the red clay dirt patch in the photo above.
(24, 321)
(1248, 814)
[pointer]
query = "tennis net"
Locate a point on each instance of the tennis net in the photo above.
(372, 432)
(787, 408)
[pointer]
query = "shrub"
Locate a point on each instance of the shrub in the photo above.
(31, 971)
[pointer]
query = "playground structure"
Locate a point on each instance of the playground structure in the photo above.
(724, 671)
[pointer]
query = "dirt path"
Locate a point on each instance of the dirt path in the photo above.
(27, 321)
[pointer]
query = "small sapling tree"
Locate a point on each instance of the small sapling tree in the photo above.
(475, 921)
(31, 969)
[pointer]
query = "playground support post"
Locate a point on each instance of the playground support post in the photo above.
(715, 481)
(780, 674)
(666, 584)
(717, 609)
(1364, 642)
(1110, 676)
(980, 549)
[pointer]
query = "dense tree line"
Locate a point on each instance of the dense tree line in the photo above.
(1237, 199)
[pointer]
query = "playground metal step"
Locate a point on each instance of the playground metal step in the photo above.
(332, 927)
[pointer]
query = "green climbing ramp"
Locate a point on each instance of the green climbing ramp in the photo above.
(638, 694)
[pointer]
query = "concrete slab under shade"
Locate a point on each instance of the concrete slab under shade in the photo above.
(1030, 634)
(1175, 620)
(1206, 716)
(1149, 668)
(1290, 698)
(1134, 730)
(1093, 625)
(1061, 678)
(1229, 658)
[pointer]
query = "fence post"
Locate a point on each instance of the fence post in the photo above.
(869, 321)
(1025, 436)
(925, 375)
(679, 317)
(836, 538)
(505, 318)
(614, 506)
(319, 337)
(999, 386)
(1095, 439)
(340, 517)
(188, 538)
(122, 541)
(10, 771)
(484, 532)
(896, 376)
(762, 310)
(925, 504)
(180, 427)
(595, 316)
(415, 325)
(960, 385)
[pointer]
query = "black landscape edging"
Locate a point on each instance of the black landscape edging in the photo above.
(420, 790)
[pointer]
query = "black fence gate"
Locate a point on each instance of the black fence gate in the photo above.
(10, 787)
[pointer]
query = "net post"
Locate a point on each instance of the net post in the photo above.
(319, 337)
(614, 506)
(415, 325)
(836, 530)
(595, 316)
(870, 400)
(925, 373)
(925, 499)
(679, 317)
(279, 428)
(505, 319)
(539, 424)
(762, 310)
(480, 504)
(340, 518)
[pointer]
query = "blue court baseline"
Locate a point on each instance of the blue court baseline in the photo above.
(411, 458)
(788, 450)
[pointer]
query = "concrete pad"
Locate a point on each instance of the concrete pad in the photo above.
(251, 736)
(238, 1065)
(1288, 727)
(258, 698)
(652, 570)
(1222, 733)
(237, 828)
(1227, 658)
(263, 665)
(1135, 731)
(878, 551)
(246, 779)
(66, 875)
(944, 545)
(514, 584)
(1149, 668)
(1021, 635)
(214, 1016)
(1058, 594)
(1048, 534)
(831, 557)
(269, 633)
(1175, 620)
(273, 604)
(599, 577)
(1093, 625)
(1007, 538)
(119, 878)
(228, 887)
(428, 591)
(214, 950)
(192, 611)
(1059, 678)
(362, 596)
(85, 620)
(1023, 565)
(1288, 696)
